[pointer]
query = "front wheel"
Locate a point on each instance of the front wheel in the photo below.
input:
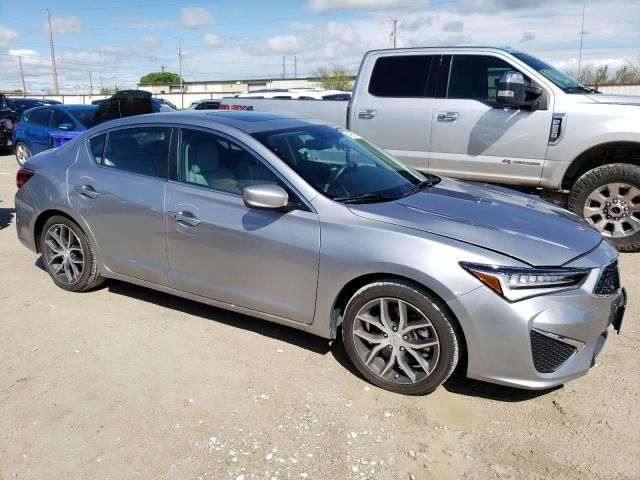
(22, 153)
(400, 337)
(608, 197)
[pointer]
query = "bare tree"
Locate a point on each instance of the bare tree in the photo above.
(335, 77)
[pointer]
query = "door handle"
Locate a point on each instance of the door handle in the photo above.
(86, 190)
(185, 217)
(366, 114)
(448, 116)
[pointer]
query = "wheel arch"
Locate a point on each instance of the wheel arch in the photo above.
(348, 290)
(599, 155)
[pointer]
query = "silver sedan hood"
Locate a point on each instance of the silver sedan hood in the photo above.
(502, 220)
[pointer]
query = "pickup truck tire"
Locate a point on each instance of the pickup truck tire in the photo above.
(400, 337)
(608, 197)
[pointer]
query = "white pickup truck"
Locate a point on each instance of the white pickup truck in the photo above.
(498, 116)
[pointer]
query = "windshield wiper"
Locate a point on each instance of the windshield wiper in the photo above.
(366, 197)
(429, 182)
(581, 89)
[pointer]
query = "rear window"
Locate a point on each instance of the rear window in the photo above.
(401, 76)
(84, 115)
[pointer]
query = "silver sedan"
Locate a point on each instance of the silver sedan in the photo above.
(308, 225)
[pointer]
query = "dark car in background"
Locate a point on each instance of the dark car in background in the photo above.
(8, 119)
(127, 103)
(38, 126)
(204, 105)
(20, 104)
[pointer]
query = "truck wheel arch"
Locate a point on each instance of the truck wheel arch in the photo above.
(602, 154)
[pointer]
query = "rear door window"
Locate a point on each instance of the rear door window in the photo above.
(96, 146)
(142, 150)
(401, 76)
(40, 117)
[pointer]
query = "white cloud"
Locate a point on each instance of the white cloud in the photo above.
(23, 52)
(331, 5)
(152, 41)
(79, 56)
(452, 26)
(211, 40)
(63, 25)
(280, 44)
(528, 37)
(195, 17)
(7, 35)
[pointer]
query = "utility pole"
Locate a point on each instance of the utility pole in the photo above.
(53, 56)
(283, 66)
(100, 82)
(180, 73)
(394, 33)
(162, 68)
(90, 85)
(295, 66)
(581, 35)
(24, 88)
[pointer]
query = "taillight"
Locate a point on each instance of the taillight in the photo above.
(14, 125)
(23, 177)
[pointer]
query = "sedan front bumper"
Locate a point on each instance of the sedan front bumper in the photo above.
(543, 341)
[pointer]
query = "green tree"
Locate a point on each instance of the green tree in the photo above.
(159, 78)
(109, 90)
(335, 78)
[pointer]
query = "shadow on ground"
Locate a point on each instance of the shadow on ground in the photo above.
(272, 330)
(6, 217)
(457, 384)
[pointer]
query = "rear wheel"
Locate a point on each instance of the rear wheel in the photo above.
(68, 255)
(608, 197)
(22, 153)
(400, 338)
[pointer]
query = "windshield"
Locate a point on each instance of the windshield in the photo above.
(566, 83)
(341, 165)
(84, 115)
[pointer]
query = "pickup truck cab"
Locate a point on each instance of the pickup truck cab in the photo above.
(499, 116)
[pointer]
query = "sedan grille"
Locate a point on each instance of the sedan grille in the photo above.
(609, 281)
(549, 354)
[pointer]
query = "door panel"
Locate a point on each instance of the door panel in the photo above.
(394, 110)
(472, 138)
(38, 130)
(258, 259)
(125, 210)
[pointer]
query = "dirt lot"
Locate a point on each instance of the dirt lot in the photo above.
(124, 383)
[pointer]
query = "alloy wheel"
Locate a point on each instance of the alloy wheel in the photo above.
(64, 254)
(396, 341)
(614, 209)
(22, 153)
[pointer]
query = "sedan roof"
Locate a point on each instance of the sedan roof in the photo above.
(249, 122)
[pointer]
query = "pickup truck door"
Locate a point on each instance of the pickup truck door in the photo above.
(393, 104)
(471, 137)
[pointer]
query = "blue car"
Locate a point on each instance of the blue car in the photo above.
(33, 133)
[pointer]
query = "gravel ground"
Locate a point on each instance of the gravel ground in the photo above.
(124, 383)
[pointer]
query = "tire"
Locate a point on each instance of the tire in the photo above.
(57, 246)
(427, 321)
(22, 153)
(617, 215)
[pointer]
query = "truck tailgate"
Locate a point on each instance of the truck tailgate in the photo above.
(331, 111)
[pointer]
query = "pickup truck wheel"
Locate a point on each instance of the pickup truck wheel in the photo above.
(608, 197)
(22, 153)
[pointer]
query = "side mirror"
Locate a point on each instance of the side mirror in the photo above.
(66, 126)
(511, 89)
(266, 197)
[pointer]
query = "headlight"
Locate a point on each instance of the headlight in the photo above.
(516, 283)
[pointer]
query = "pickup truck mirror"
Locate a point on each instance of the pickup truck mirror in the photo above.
(511, 89)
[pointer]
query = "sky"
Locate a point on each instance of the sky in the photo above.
(116, 42)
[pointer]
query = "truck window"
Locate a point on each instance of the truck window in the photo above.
(476, 77)
(400, 76)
